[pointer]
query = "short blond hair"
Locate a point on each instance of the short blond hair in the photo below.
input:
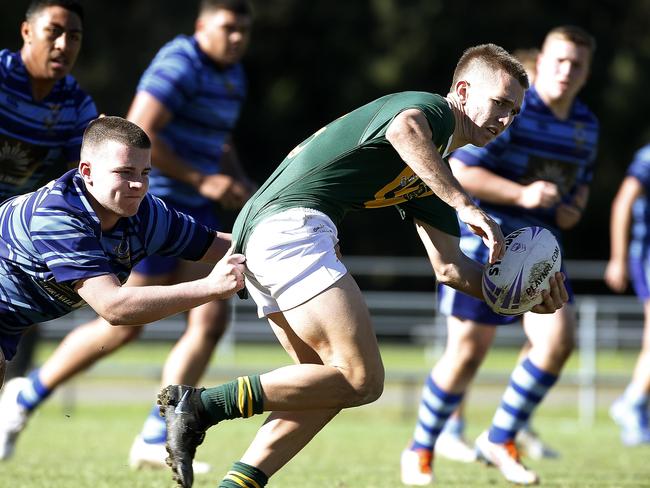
(492, 57)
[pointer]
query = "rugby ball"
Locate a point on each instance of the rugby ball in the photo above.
(514, 284)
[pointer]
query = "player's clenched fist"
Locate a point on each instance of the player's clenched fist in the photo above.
(227, 276)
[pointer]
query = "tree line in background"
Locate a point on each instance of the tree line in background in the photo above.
(312, 61)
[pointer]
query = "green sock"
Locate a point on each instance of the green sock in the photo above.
(244, 475)
(240, 398)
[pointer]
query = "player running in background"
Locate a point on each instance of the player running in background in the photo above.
(630, 257)
(388, 152)
(43, 112)
(74, 242)
(536, 173)
(188, 101)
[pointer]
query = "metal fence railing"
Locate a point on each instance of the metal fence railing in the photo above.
(605, 321)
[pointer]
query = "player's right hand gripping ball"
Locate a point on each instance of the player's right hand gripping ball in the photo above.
(514, 284)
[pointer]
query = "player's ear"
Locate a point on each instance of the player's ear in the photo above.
(26, 32)
(85, 170)
(461, 90)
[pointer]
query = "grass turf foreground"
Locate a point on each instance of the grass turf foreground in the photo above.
(88, 447)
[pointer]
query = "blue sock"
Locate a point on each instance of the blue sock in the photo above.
(154, 430)
(34, 393)
(528, 387)
(455, 426)
(435, 408)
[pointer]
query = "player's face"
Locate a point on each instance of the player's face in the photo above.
(52, 40)
(492, 100)
(117, 176)
(562, 69)
(223, 35)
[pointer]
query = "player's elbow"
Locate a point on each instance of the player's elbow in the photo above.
(117, 314)
(404, 128)
(446, 273)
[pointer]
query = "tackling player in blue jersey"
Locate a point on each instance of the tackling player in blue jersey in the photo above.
(630, 258)
(43, 112)
(188, 102)
(535, 173)
(75, 241)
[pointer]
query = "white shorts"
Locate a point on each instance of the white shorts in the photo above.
(291, 258)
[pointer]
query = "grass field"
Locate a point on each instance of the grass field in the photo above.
(81, 438)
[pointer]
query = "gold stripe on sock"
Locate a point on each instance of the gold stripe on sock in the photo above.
(240, 395)
(245, 478)
(249, 396)
(234, 477)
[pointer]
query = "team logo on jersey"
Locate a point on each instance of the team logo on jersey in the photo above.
(405, 187)
(579, 135)
(122, 252)
(562, 173)
(16, 162)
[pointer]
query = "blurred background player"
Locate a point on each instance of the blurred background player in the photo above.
(188, 102)
(43, 113)
(631, 258)
(451, 443)
(535, 173)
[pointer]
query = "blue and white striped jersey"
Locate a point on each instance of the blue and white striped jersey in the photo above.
(37, 139)
(51, 238)
(538, 146)
(640, 169)
(205, 102)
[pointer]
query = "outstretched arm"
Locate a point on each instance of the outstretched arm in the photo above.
(409, 133)
(139, 305)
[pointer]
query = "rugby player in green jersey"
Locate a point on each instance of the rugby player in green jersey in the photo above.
(389, 152)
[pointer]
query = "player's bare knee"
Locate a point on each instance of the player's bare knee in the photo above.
(368, 388)
(125, 334)
(563, 348)
(469, 358)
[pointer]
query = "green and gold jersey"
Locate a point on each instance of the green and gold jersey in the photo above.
(350, 165)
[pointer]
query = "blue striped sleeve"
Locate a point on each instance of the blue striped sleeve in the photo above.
(175, 233)
(171, 78)
(68, 245)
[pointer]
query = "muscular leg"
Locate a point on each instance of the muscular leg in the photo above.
(556, 349)
(552, 340)
(331, 338)
(467, 345)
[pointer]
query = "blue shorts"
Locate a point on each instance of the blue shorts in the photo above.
(9, 345)
(640, 276)
(458, 304)
(157, 265)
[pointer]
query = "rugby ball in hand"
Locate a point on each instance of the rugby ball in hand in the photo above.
(514, 284)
